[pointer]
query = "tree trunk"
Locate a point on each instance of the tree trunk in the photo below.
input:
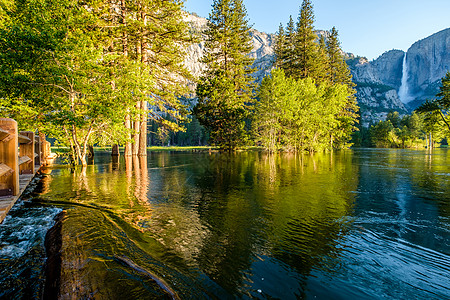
(115, 150)
(143, 104)
(431, 140)
(128, 144)
(143, 131)
(137, 127)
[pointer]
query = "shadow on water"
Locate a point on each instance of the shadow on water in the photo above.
(361, 224)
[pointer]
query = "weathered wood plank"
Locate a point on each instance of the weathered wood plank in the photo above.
(3, 134)
(5, 170)
(24, 139)
(24, 159)
(9, 156)
(28, 150)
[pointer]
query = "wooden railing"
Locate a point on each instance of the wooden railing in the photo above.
(20, 153)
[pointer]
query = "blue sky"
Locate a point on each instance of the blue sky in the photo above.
(366, 27)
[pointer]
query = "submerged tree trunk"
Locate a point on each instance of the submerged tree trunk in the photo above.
(137, 127)
(143, 131)
(128, 144)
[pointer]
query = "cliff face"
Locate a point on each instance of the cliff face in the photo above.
(377, 85)
(428, 60)
(262, 51)
(378, 81)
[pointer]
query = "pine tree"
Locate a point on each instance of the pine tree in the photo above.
(225, 89)
(322, 62)
(286, 55)
(339, 73)
(83, 65)
(280, 47)
(306, 61)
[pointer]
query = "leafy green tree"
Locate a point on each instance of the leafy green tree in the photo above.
(382, 134)
(66, 77)
(296, 115)
(225, 90)
(271, 110)
(340, 73)
(394, 117)
(77, 68)
(440, 105)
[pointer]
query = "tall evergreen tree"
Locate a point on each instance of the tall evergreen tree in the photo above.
(307, 63)
(280, 47)
(339, 73)
(225, 90)
(81, 65)
(285, 48)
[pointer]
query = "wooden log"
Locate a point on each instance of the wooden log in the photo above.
(46, 150)
(42, 142)
(9, 155)
(28, 151)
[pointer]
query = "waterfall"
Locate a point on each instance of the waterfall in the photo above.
(403, 92)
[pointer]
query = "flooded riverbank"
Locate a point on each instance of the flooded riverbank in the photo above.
(363, 223)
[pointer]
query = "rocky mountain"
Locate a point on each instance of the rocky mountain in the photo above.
(262, 49)
(396, 82)
(427, 61)
(377, 85)
(378, 81)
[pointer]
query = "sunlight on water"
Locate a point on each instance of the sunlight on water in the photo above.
(354, 224)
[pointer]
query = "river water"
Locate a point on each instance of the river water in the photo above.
(357, 224)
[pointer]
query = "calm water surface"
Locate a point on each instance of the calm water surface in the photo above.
(361, 224)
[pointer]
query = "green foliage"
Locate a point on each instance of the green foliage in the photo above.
(296, 115)
(382, 134)
(409, 131)
(301, 57)
(225, 90)
(394, 118)
(439, 106)
(297, 52)
(75, 69)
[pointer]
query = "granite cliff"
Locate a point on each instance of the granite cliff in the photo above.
(377, 85)
(427, 60)
(262, 51)
(378, 81)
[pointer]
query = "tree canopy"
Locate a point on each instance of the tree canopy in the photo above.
(310, 61)
(76, 69)
(224, 90)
